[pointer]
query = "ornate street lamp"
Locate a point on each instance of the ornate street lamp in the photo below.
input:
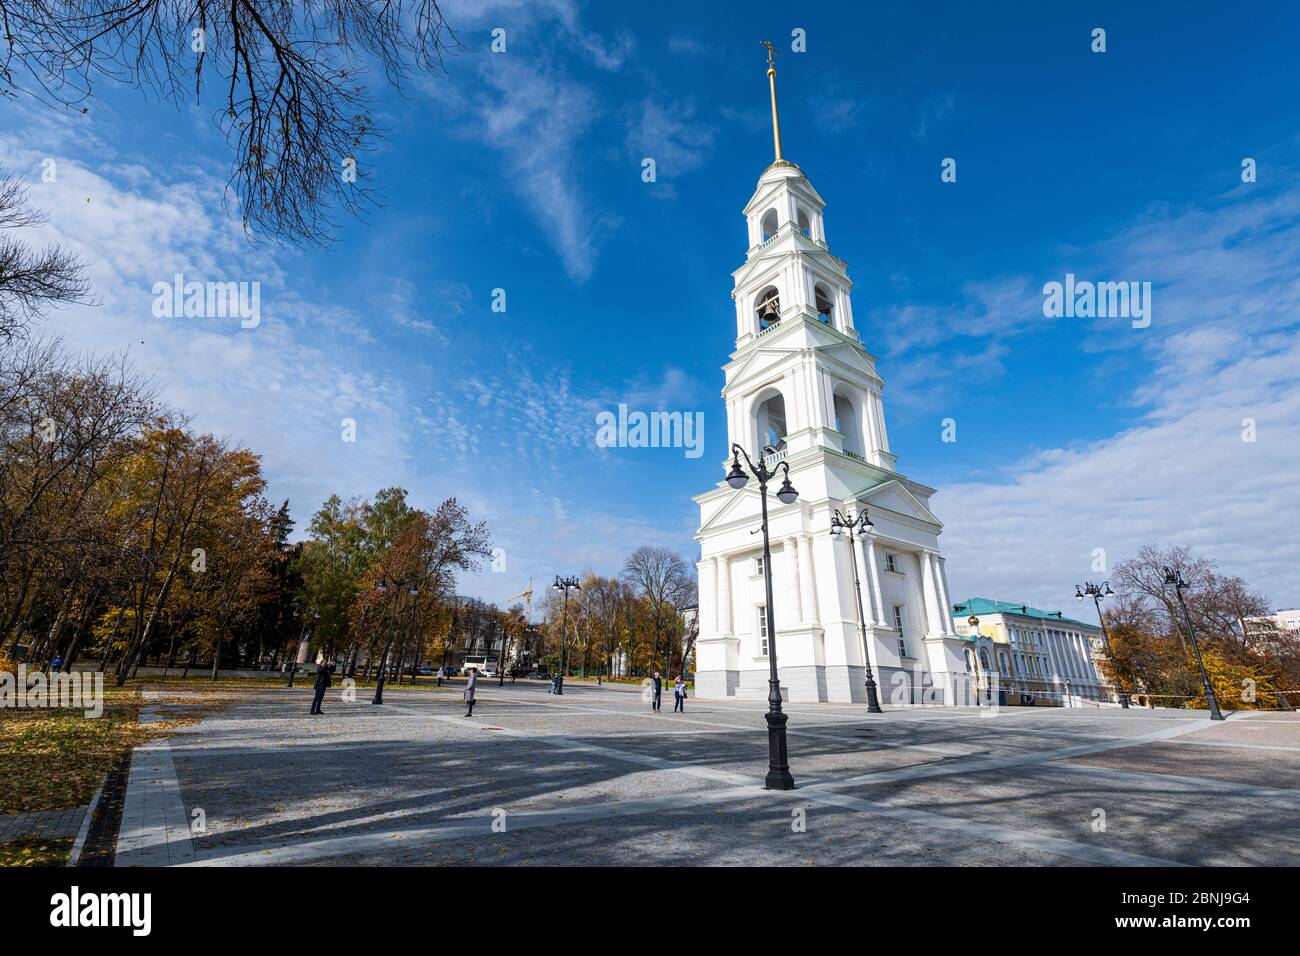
(566, 585)
(778, 770)
(1097, 592)
(853, 528)
(1175, 579)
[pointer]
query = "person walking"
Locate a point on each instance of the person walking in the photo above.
(441, 674)
(323, 673)
(469, 691)
(679, 692)
(657, 685)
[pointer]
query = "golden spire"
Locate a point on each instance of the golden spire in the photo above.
(771, 81)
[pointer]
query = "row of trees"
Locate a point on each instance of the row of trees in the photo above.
(128, 535)
(630, 624)
(1248, 658)
(123, 531)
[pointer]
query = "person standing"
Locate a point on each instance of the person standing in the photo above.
(441, 674)
(469, 691)
(323, 673)
(679, 692)
(657, 686)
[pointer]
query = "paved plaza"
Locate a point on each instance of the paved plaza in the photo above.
(594, 777)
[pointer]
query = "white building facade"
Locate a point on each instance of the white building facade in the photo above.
(801, 381)
(1030, 655)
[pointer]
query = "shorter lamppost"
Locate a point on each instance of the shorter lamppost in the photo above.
(974, 623)
(853, 528)
(778, 758)
(383, 586)
(1097, 592)
(565, 585)
(1175, 580)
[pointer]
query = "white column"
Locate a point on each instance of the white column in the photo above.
(724, 594)
(948, 626)
(1054, 654)
(790, 562)
(708, 569)
(869, 423)
(928, 592)
(795, 416)
(806, 584)
(878, 413)
(858, 554)
(874, 575)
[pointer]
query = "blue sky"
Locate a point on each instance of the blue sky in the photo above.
(521, 171)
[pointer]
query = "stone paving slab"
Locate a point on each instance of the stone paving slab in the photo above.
(155, 829)
(41, 825)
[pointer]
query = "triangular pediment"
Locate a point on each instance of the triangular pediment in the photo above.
(783, 249)
(830, 346)
(742, 503)
(894, 496)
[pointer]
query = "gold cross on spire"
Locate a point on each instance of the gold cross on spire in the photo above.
(771, 80)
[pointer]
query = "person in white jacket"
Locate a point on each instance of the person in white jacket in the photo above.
(469, 691)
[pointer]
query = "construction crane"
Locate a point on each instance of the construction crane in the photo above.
(527, 595)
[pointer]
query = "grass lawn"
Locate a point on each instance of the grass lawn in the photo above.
(36, 852)
(52, 759)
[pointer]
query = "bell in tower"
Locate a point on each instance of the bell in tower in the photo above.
(769, 308)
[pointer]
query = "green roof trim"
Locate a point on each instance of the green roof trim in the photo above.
(980, 606)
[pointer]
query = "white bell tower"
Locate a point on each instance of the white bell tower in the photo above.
(801, 382)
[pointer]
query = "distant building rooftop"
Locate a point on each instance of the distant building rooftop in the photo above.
(981, 606)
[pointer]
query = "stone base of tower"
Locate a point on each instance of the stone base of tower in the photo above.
(716, 685)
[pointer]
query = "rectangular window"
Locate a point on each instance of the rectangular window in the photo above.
(902, 646)
(898, 618)
(762, 630)
(758, 566)
(890, 563)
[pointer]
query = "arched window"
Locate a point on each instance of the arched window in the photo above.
(822, 299)
(846, 423)
(804, 228)
(984, 659)
(1002, 663)
(767, 305)
(769, 224)
(769, 421)
(970, 661)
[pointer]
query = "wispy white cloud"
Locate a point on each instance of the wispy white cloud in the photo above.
(1224, 347)
(670, 134)
(282, 388)
(534, 112)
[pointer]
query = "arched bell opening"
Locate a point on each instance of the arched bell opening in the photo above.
(768, 307)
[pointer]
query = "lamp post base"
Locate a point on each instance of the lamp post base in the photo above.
(873, 698)
(778, 761)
